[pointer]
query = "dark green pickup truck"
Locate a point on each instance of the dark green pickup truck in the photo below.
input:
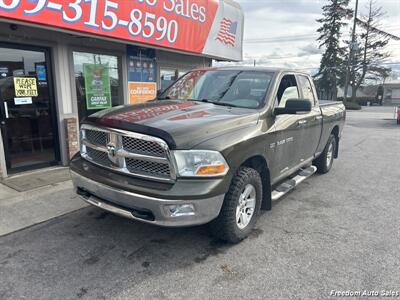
(216, 147)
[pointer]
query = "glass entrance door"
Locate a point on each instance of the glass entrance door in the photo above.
(27, 115)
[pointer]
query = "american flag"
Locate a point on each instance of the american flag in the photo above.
(227, 32)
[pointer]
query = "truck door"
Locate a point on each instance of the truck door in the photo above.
(286, 147)
(311, 123)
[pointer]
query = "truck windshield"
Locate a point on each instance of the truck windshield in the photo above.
(245, 89)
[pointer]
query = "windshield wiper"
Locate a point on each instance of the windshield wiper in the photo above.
(230, 84)
(200, 100)
(214, 102)
(223, 104)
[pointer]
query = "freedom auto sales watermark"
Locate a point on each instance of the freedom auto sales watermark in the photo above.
(366, 293)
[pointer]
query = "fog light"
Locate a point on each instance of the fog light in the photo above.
(184, 210)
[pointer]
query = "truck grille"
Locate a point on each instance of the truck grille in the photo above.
(142, 147)
(127, 152)
(136, 165)
(98, 157)
(97, 137)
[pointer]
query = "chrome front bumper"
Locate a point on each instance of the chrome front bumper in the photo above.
(140, 207)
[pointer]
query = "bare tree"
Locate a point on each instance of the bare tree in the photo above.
(370, 54)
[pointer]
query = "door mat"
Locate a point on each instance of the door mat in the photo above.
(37, 179)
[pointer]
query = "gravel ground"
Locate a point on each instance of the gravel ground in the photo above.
(335, 232)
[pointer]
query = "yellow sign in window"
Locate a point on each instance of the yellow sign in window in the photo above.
(25, 87)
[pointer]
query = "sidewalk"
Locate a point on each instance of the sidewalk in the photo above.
(19, 210)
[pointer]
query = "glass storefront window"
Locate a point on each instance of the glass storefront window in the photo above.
(168, 77)
(181, 73)
(27, 108)
(103, 81)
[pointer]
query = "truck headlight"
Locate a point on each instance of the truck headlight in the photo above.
(200, 163)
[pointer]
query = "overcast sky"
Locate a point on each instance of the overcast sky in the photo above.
(282, 33)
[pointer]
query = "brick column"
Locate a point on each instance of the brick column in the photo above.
(71, 127)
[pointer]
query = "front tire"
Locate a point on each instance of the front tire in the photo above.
(325, 161)
(241, 207)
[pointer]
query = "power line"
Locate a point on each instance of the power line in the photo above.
(290, 38)
(292, 56)
(312, 68)
(299, 56)
(281, 38)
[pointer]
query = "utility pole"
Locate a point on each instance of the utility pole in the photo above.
(255, 63)
(350, 60)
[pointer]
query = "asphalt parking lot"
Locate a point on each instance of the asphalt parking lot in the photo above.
(334, 232)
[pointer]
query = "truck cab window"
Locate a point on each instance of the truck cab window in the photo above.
(287, 90)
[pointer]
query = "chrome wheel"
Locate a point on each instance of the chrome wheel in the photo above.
(329, 156)
(246, 206)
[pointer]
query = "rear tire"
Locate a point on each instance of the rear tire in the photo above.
(241, 207)
(325, 161)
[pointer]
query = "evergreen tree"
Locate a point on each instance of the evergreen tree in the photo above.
(331, 65)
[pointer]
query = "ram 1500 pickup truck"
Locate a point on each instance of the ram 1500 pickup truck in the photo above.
(216, 147)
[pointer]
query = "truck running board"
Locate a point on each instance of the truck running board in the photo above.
(290, 184)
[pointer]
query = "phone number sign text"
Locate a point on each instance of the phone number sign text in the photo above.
(178, 24)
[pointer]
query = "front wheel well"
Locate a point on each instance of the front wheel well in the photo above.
(259, 164)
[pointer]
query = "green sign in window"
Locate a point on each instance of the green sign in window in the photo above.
(97, 86)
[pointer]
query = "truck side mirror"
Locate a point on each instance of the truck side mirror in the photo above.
(293, 106)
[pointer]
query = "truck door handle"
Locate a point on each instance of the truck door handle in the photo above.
(317, 118)
(302, 122)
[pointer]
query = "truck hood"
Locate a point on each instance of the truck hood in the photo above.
(182, 124)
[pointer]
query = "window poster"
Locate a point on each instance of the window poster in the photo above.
(97, 86)
(142, 75)
(41, 72)
(25, 87)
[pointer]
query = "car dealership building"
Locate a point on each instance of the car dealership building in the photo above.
(62, 60)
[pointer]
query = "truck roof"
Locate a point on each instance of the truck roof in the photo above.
(258, 69)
